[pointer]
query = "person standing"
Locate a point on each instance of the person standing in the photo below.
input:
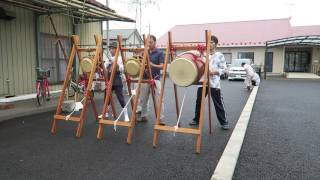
(117, 86)
(217, 67)
(250, 74)
(156, 62)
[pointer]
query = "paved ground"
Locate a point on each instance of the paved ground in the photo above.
(29, 151)
(282, 140)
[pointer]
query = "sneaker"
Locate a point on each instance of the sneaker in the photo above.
(138, 111)
(194, 123)
(225, 127)
(100, 116)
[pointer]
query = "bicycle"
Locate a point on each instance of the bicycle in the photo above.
(76, 87)
(42, 85)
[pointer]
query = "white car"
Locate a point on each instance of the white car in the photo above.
(236, 71)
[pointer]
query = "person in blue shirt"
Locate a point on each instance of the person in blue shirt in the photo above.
(157, 60)
(117, 86)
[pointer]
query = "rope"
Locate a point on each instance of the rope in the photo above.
(178, 122)
(201, 49)
(116, 121)
(76, 108)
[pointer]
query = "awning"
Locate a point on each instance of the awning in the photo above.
(81, 10)
(313, 40)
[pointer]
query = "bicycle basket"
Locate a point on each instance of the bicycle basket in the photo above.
(43, 74)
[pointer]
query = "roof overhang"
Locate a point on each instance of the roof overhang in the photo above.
(82, 10)
(312, 40)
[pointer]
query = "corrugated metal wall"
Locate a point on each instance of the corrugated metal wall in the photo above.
(18, 52)
(87, 32)
(18, 47)
(62, 23)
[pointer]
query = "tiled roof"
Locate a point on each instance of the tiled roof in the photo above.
(239, 34)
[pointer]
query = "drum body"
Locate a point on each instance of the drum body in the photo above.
(133, 66)
(186, 69)
(86, 64)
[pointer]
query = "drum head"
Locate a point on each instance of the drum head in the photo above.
(183, 72)
(86, 64)
(132, 67)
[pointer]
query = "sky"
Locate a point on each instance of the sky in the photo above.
(162, 15)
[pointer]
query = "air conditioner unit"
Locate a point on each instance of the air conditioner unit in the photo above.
(6, 15)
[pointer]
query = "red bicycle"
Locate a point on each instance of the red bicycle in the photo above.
(42, 85)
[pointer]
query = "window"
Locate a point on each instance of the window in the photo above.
(228, 57)
(246, 55)
(51, 56)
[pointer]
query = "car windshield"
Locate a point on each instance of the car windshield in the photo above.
(237, 63)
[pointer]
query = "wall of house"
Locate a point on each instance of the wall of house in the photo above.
(18, 58)
(18, 52)
(259, 55)
(278, 60)
(315, 58)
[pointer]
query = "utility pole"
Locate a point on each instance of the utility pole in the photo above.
(138, 6)
(149, 28)
(107, 24)
(140, 15)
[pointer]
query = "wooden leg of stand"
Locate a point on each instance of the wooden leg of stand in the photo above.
(94, 107)
(100, 131)
(155, 138)
(82, 118)
(133, 122)
(209, 103)
(198, 145)
(130, 132)
(54, 126)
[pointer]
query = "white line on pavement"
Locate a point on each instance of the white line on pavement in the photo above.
(228, 160)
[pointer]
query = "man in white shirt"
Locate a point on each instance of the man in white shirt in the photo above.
(217, 67)
(250, 74)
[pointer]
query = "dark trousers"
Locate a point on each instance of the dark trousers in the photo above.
(218, 105)
(118, 90)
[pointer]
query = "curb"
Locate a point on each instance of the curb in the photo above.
(36, 110)
(27, 113)
(227, 163)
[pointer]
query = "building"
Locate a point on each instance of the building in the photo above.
(130, 37)
(273, 44)
(28, 38)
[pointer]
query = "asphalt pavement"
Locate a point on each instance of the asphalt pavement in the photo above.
(283, 136)
(29, 151)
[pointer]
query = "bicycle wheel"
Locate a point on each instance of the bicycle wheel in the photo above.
(71, 90)
(40, 95)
